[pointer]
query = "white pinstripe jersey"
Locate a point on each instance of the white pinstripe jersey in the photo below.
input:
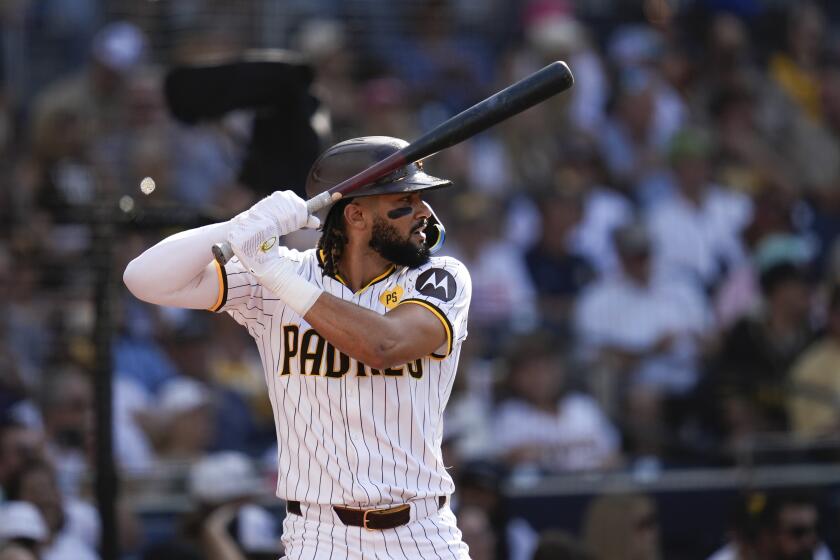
(349, 434)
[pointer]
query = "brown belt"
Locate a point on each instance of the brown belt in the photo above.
(372, 519)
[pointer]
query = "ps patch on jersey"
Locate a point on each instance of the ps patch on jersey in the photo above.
(437, 283)
(391, 298)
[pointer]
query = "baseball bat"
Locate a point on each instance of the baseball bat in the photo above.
(524, 94)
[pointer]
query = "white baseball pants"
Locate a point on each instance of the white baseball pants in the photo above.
(319, 534)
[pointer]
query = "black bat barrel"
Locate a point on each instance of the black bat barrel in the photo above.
(539, 86)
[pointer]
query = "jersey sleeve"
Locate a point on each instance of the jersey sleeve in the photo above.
(240, 294)
(444, 287)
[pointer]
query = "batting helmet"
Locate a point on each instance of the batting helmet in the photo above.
(350, 157)
(353, 156)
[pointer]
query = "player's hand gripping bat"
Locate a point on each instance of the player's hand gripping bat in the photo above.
(539, 86)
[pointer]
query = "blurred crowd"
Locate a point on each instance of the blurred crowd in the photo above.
(654, 254)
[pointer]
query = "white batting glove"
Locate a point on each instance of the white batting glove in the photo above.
(286, 209)
(253, 239)
(254, 242)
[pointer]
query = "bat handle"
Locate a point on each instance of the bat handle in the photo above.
(223, 252)
(320, 201)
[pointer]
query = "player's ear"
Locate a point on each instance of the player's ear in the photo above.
(355, 215)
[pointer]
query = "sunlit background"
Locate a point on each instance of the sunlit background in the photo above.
(653, 362)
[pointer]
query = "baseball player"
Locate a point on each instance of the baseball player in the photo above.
(359, 340)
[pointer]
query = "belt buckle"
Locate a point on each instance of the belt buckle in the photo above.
(365, 519)
(390, 510)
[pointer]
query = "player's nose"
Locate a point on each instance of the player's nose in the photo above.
(421, 209)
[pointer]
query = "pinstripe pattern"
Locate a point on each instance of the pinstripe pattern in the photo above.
(351, 435)
(432, 535)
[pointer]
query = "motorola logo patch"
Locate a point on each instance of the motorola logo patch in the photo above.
(437, 283)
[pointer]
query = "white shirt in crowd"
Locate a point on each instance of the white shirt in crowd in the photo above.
(576, 436)
(619, 313)
(694, 241)
(79, 537)
(604, 210)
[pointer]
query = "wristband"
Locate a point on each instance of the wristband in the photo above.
(280, 278)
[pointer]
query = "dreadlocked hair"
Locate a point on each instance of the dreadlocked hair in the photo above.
(333, 238)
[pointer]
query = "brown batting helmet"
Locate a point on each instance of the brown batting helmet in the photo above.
(351, 157)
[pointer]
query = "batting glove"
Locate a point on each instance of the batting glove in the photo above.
(253, 240)
(286, 209)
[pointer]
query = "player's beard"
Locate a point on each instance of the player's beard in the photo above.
(386, 241)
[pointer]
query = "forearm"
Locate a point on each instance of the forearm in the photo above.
(404, 334)
(176, 271)
(360, 333)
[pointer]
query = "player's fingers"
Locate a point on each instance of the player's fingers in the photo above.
(312, 222)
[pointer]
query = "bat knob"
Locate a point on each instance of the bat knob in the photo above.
(222, 252)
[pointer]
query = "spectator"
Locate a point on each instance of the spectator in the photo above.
(477, 532)
(750, 515)
(821, 152)
(235, 366)
(480, 486)
(795, 68)
(438, 64)
(233, 421)
(558, 545)
(467, 432)
(93, 97)
(757, 353)
(21, 525)
(132, 448)
(646, 333)
(728, 62)
(72, 525)
(622, 527)
(26, 316)
(604, 207)
(697, 232)
(772, 238)
(18, 445)
(788, 529)
(747, 160)
(73, 116)
(66, 407)
(553, 33)
(326, 44)
(182, 424)
(814, 391)
(225, 523)
(228, 481)
(631, 146)
(740, 544)
(385, 102)
(500, 279)
(558, 273)
(542, 423)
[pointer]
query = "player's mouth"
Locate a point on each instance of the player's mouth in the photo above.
(419, 230)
